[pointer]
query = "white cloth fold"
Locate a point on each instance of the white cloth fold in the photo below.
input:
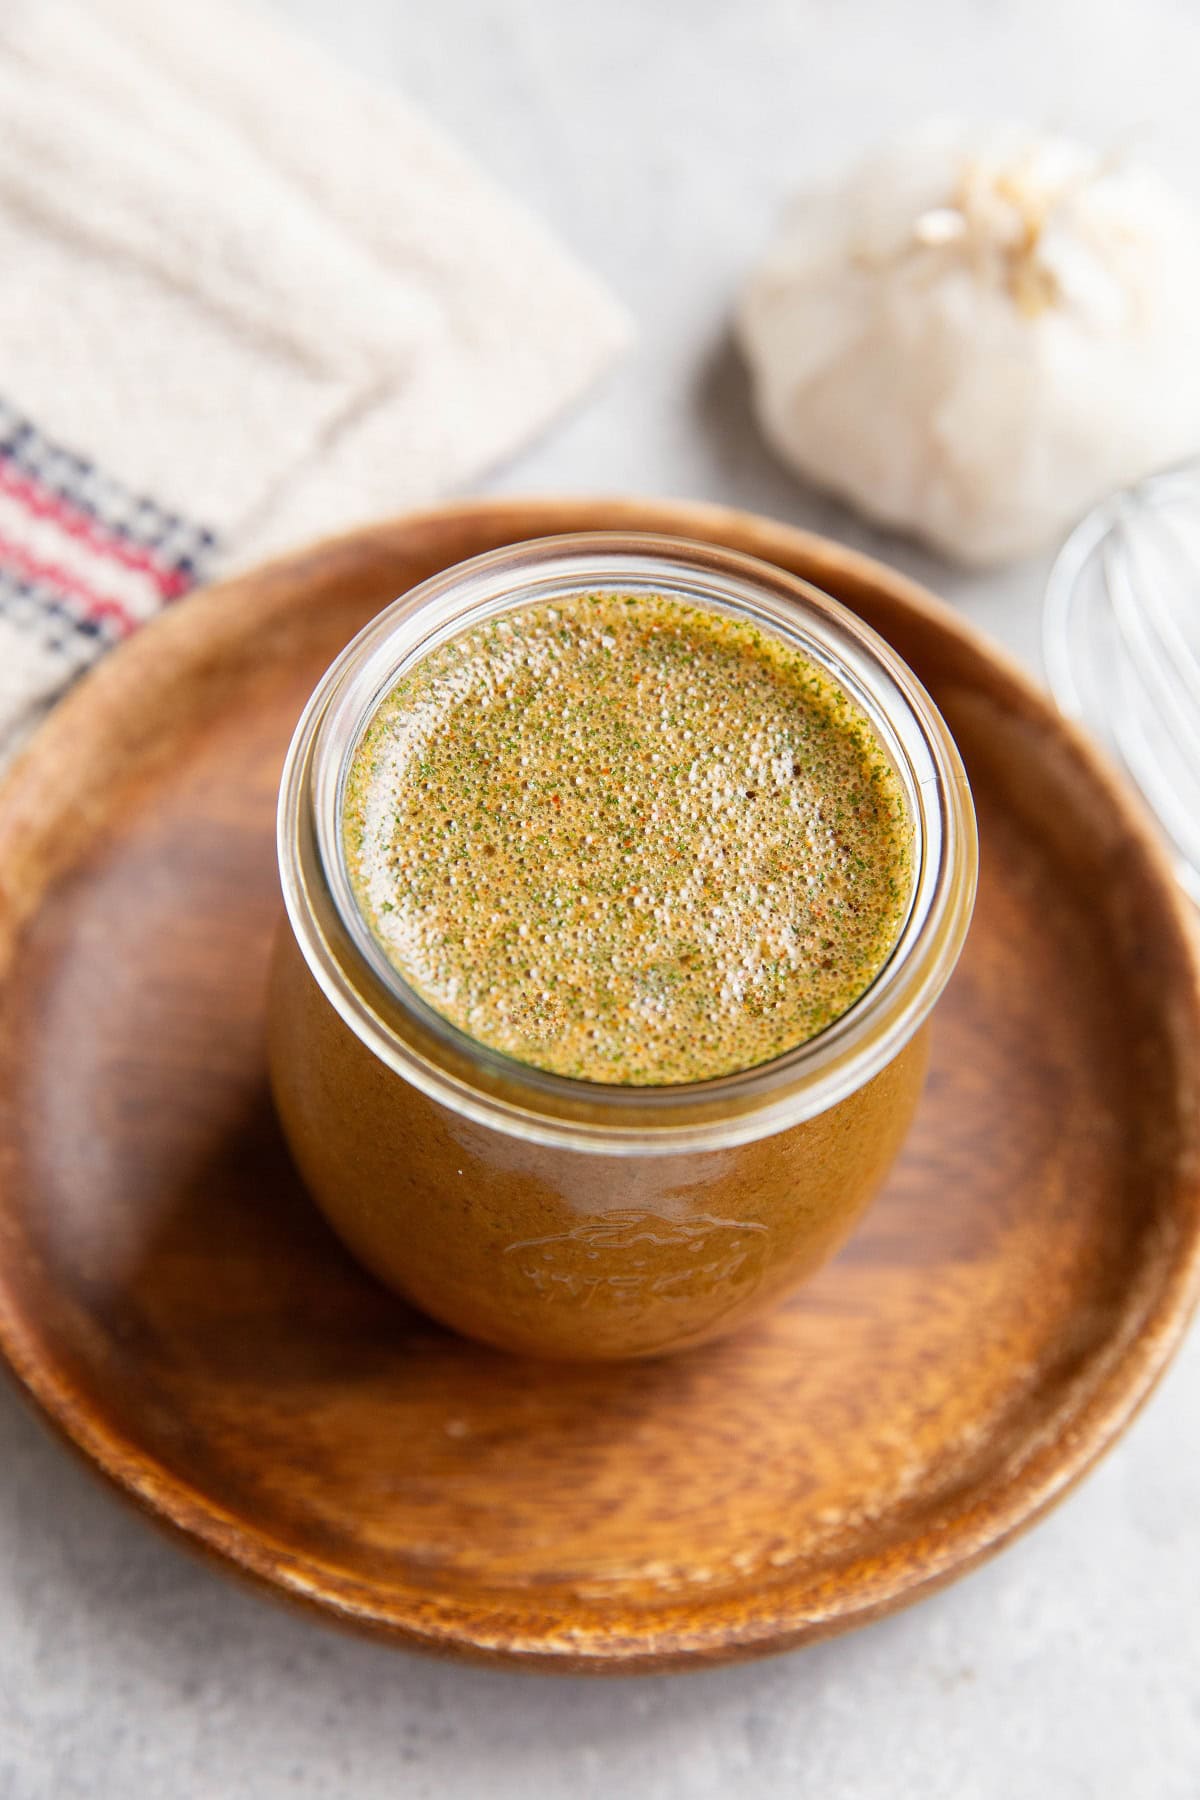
(252, 290)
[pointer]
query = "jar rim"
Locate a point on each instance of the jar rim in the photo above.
(482, 1083)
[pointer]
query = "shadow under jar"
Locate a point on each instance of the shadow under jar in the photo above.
(586, 1219)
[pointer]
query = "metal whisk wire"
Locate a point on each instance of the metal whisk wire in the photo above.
(1121, 644)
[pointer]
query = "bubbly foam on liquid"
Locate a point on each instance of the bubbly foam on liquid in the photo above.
(626, 839)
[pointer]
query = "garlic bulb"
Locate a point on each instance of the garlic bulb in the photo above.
(978, 334)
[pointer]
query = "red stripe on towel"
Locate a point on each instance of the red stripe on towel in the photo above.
(43, 503)
(97, 606)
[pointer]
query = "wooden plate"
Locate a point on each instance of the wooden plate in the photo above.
(174, 1305)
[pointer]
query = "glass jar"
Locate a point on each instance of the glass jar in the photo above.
(567, 1218)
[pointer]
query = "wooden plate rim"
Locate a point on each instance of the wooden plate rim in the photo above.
(681, 1634)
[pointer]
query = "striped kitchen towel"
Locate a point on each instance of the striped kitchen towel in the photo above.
(246, 299)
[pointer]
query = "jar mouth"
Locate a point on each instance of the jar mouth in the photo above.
(482, 1083)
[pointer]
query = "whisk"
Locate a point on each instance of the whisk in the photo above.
(1121, 641)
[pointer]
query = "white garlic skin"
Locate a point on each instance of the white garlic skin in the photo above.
(978, 334)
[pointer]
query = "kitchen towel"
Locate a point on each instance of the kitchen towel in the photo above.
(246, 299)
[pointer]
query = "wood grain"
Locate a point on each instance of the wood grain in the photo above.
(174, 1305)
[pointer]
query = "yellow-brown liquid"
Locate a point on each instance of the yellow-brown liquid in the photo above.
(628, 839)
